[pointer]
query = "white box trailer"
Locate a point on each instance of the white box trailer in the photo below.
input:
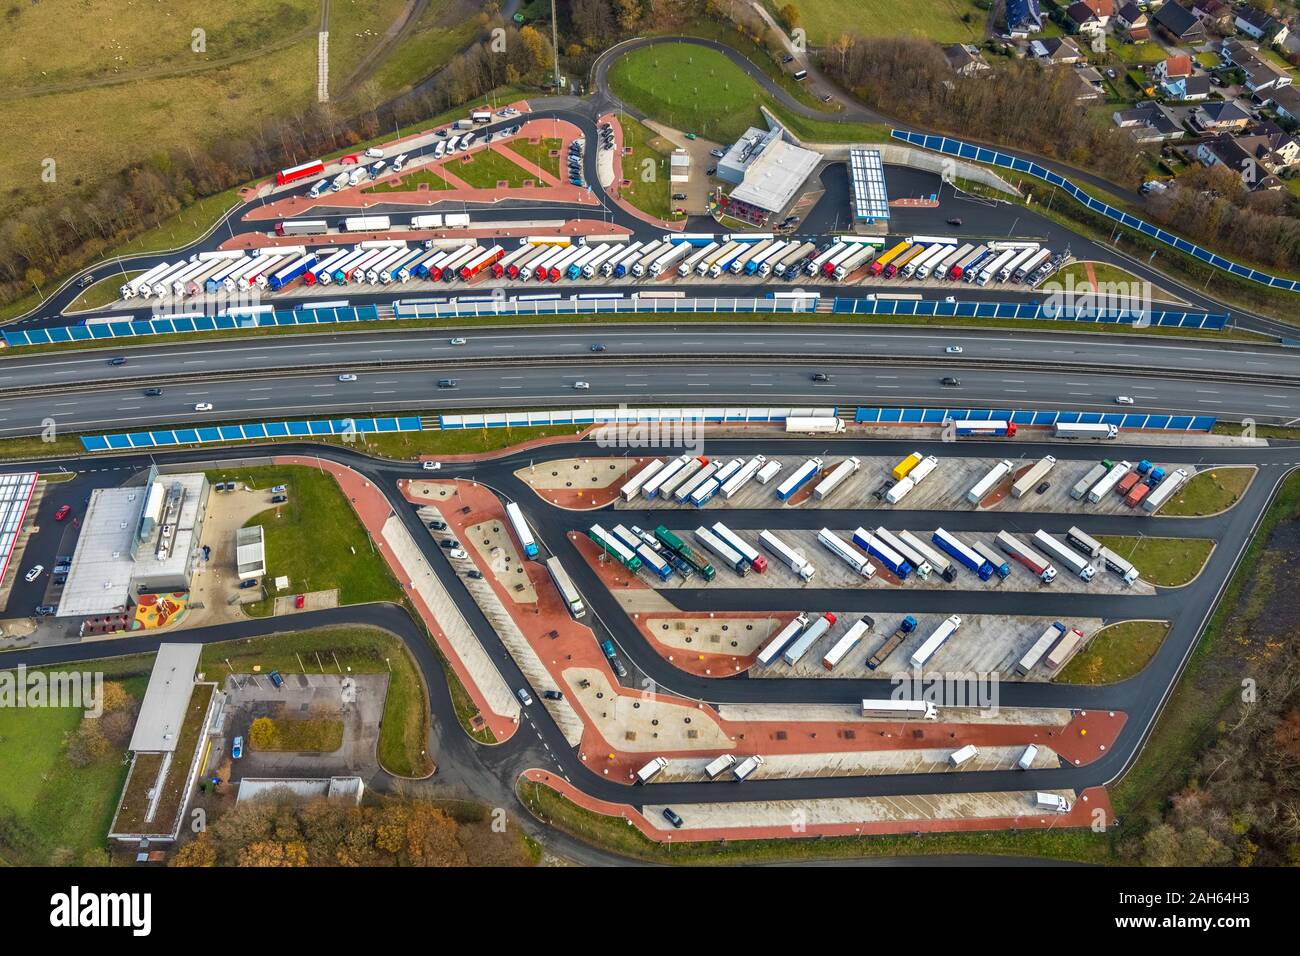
(761, 264)
(1051, 801)
(853, 263)
(737, 265)
(803, 644)
(963, 755)
(1065, 555)
(954, 255)
(989, 481)
(746, 767)
(768, 472)
(669, 487)
(199, 283)
(742, 476)
(651, 488)
(1094, 475)
(367, 224)
(1039, 648)
(605, 253)
(1009, 269)
(696, 257)
(920, 566)
(1085, 430)
(814, 424)
(708, 261)
(846, 553)
(1030, 265)
(686, 488)
(773, 648)
(624, 261)
(849, 640)
(923, 469)
(1163, 491)
(1065, 648)
(1103, 487)
(814, 267)
(667, 259)
(938, 562)
(719, 765)
(651, 770)
(1026, 482)
(890, 709)
(632, 487)
(935, 641)
(837, 476)
(790, 557)
(723, 551)
(791, 260)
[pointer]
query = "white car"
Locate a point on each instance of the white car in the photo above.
(953, 350)
(1123, 399)
(34, 573)
(457, 553)
(375, 152)
(203, 407)
(458, 341)
(431, 465)
(348, 377)
(950, 298)
(581, 385)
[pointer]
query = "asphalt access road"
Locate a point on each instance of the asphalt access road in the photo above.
(1139, 696)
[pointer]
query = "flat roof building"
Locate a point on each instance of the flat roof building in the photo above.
(250, 553)
(165, 700)
(334, 789)
(773, 179)
(867, 182)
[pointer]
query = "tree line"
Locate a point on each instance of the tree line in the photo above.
(44, 240)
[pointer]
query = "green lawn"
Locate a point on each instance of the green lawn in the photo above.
(947, 21)
(428, 178)
(1209, 492)
(1164, 562)
(299, 734)
(486, 168)
(645, 169)
(102, 293)
(1104, 272)
(539, 153)
(404, 729)
(1138, 54)
(1115, 653)
(316, 539)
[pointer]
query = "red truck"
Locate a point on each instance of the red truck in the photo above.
(1126, 483)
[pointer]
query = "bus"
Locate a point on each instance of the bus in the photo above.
(568, 593)
(525, 536)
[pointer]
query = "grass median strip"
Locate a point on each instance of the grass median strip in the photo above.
(1115, 653)
(1164, 562)
(1208, 493)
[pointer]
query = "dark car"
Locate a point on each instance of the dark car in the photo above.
(153, 392)
(679, 197)
(117, 360)
(598, 347)
(552, 695)
(821, 377)
(449, 544)
(954, 222)
(711, 170)
(438, 525)
(446, 383)
(85, 281)
(787, 58)
(279, 499)
(672, 817)
(251, 583)
(1042, 487)
(476, 575)
(949, 380)
(276, 680)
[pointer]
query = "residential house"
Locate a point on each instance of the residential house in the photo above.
(1178, 24)
(1256, 157)
(1177, 81)
(1261, 75)
(1023, 18)
(1258, 25)
(1174, 67)
(1091, 85)
(1220, 117)
(966, 59)
(1056, 50)
(1133, 21)
(1214, 15)
(1082, 20)
(1149, 123)
(1286, 101)
(1103, 10)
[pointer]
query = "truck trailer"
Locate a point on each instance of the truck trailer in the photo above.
(1164, 491)
(723, 551)
(773, 648)
(846, 553)
(898, 565)
(932, 556)
(804, 642)
(1102, 488)
(971, 559)
(849, 640)
(1026, 556)
(920, 566)
(787, 555)
(1085, 430)
(814, 425)
(1064, 554)
(935, 641)
(836, 477)
(800, 477)
(905, 627)
(1026, 482)
(1039, 648)
(990, 480)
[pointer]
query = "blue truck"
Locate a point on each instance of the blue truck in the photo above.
(956, 548)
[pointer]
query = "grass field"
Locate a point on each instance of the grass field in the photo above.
(428, 178)
(486, 168)
(1104, 272)
(316, 539)
(444, 29)
(1209, 492)
(645, 168)
(539, 153)
(1115, 653)
(314, 734)
(102, 293)
(132, 88)
(948, 21)
(333, 650)
(1164, 562)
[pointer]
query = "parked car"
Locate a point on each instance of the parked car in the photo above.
(237, 748)
(552, 695)
(300, 601)
(717, 153)
(475, 574)
(787, 58)
(457, 553)
(1042, 487)
(276, 680)
(449, 544)
(279, 489)
(46, 610)
(711, 170)
(250, 583)
(35, 572)
(679, 197)
(525, 698)
(279, 499)
(672, 817)
(431, 465)
(63, 512)
(437, 525)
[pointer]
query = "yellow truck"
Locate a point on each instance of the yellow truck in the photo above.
(905, 466)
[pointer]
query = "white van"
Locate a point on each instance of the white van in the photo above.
(375, 152)
(1027, 758)
(1051, 801)
(965, 754)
